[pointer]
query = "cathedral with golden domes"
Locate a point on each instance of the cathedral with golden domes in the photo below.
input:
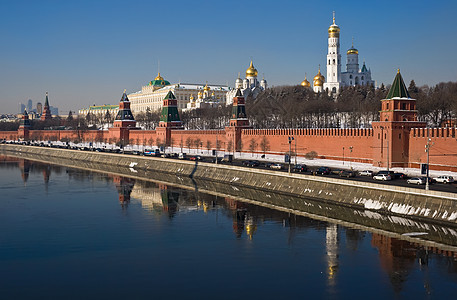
(335, 78)
(248, 86)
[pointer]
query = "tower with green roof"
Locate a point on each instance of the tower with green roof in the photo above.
(391, 134)
(169, 119)
(238, 122)
(24, 126)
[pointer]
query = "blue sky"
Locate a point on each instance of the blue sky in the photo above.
(86, 52)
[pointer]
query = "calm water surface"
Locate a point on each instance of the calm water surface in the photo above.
(74, 234)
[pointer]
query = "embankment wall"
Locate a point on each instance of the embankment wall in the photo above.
(403, 201)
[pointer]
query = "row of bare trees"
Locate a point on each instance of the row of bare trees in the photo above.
(290, 107)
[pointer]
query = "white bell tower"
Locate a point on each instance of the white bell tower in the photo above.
(333, 59)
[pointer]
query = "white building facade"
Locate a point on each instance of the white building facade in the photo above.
(151, 95)
(248, 86)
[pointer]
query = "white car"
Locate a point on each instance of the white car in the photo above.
(416, 180)
(444, 179)
(366, 173)
(276, 166)
(382, 177)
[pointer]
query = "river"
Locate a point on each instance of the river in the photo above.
(72, 234)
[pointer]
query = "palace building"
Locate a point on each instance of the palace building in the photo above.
(336, 79)
(151, 95)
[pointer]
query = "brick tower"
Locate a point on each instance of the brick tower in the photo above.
(169, 119)
(123, 122)
(24, 127)
(391, 134)
(46, 115)
(238, 122)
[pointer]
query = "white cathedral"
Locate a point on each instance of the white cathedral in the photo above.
(335, 78)
(248, 86)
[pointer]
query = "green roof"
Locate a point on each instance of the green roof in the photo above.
(364, 68)
(398, 88)
(169, 96)
(159, 82)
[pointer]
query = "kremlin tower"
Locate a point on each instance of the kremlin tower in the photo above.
(46, 115)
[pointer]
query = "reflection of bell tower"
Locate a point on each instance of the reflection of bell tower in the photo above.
(332, 252)
(124, 188)
(251, 226)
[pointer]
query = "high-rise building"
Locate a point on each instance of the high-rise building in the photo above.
(21, 108)
(39, 108)
(29, 105)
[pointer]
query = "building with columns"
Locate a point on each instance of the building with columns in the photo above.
(248, 86)
(353, 75)
(151, 95)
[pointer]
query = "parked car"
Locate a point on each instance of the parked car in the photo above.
(430, 179)
(400, 175)
(385, 172)
(251, 163)
(276, 166)
(227, 158)
(182, 155)
(336, 171)
(382, 177)
(323, 171)
(366, 173)
(347, 173)
(416, 180)
(299, 168)
(444, 179)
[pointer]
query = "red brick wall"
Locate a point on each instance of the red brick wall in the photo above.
(327, 143)
(443, 150)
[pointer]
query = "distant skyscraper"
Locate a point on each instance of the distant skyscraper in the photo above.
(29, 105)
(39, 108)
(21, 108)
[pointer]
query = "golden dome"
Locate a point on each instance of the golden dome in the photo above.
(352, 51)
(206, 88)
(318, 82)
(200, 93)
(191, 97)
(305, 83)
(158, 77)
(319, 76)
(334, 30)
(251, 71)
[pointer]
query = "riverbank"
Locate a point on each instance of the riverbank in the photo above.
(427, 205)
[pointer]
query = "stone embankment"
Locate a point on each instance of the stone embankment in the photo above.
(439, 207)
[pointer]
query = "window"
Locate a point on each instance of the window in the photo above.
(333, 61)
(403, 106)
(387, 105)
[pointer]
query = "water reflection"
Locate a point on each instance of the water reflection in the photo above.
(400, 259)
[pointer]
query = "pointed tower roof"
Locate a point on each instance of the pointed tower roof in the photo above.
(364, 67)
(170, 96)
(124, 97)
(398, 88)
(238, 93)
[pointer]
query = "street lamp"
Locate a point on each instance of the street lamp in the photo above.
(291, 138)
(350, 163)
(427, 149)
(343, 156)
